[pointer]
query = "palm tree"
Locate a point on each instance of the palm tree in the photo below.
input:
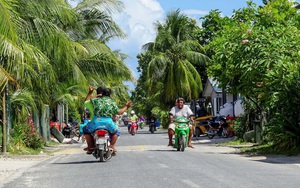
(39, 49)
(171, 71)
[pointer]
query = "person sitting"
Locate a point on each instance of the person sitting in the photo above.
(125, 118)
(152, 120)
(132, 119)
(202, 111)
(105, 110)
(177, 111)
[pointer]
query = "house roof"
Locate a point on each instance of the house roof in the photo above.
(210, 87)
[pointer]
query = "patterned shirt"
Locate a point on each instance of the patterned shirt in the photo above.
(105, 107)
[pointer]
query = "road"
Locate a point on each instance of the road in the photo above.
(144, 160)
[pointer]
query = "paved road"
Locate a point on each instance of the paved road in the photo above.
(144, 160)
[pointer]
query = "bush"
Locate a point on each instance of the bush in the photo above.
(25, 136)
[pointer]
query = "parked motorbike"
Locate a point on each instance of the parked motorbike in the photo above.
(69, 131)
(218, 127)
(102, 142)
(181, 133)
(133, 128)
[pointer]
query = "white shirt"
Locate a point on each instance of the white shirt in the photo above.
(185, 111)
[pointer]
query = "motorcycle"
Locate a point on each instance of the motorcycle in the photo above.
(152, 127)
(125, 121)
(141, 124)
(69, 131)
(102, 142)
(133, 128)
(218, 127)
(182, 131)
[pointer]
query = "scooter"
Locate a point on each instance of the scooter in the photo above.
(218, 127)
(133, 128)
(102, 142)
(182, 130)
(141, 124)
(152, 127)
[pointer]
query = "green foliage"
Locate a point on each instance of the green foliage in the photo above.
(239, 126)
(257, 55)
(24, 139)
(162, 115)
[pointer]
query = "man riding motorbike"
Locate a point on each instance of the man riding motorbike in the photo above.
(105, 111)
(177, 111)
(132, 119)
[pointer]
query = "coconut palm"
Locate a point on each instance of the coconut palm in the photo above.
(174, 54)
(39, 49)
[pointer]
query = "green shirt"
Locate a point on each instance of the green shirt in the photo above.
(105, 106)
(133, 118)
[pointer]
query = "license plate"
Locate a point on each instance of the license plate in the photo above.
(101, 141)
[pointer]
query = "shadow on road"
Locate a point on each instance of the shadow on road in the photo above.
(78, 162)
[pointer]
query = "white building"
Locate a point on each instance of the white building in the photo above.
(232, 106)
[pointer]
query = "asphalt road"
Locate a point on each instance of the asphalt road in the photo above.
(144, 160)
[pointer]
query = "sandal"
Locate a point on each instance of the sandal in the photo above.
(190, 146)
(90, 151)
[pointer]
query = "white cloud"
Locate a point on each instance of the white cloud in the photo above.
(194, 12)
(138, 20)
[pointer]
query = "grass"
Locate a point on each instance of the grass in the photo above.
(260, 149)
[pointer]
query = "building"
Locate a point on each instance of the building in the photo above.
(221, 103)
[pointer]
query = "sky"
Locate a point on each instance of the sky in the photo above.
(138, 18)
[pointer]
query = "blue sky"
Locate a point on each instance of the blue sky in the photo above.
(139, 15)
(138, 18)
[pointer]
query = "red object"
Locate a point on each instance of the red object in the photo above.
(133, 126)
(229, 120)
(101, 132)
(56, 124)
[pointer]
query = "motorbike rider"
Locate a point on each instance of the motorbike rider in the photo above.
(105, 110)
(152, 119)
(177, 111)
(133, 118)
(125, 118)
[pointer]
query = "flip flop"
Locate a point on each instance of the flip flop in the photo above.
(190, 146)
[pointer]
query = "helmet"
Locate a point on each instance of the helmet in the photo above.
(125, 114)
(132, 112)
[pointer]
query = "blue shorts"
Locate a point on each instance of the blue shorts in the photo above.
(105, 123)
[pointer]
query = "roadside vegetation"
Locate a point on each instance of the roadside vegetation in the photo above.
(253, 53)
(50, 53)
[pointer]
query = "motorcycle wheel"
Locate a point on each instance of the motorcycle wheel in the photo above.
(225, 133)
(152, 129)
(75, 132)
(198, 132)
(133, 131)
(211, 134)
(182, 142)
(101, 155)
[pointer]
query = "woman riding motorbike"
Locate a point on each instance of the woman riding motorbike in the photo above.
(105, 111)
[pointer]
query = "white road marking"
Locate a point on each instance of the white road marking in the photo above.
(190, 183)
(163, 166)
